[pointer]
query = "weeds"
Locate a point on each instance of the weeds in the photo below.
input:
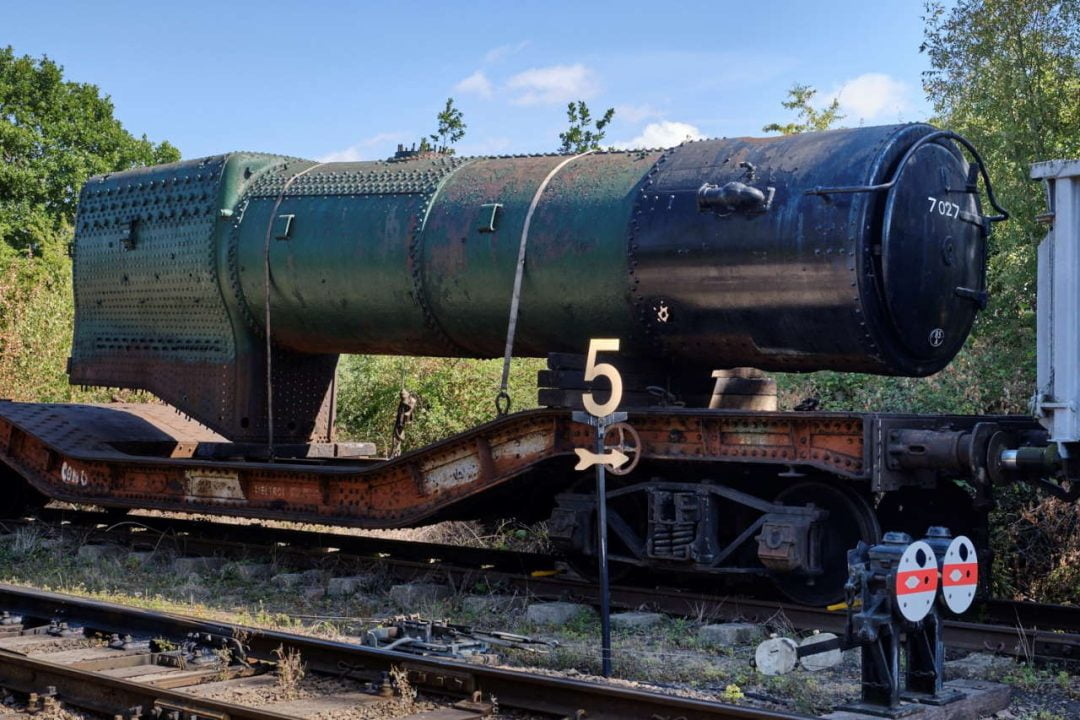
(27, 541)
(1044, 715)
(36, 315)
(290, 671)
(501, 535)
(406, 693)
(163, 645)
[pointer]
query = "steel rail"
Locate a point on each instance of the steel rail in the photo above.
(114, 696)
(535, 693)
(218, 537)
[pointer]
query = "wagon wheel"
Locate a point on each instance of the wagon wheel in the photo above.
(624, 438)
(851, 520)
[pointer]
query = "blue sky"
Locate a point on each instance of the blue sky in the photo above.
(350, 80)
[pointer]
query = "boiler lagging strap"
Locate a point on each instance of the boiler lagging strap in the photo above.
(502, 400)
(266, 282)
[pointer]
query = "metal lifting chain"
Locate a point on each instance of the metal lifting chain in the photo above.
(502, 400)
(266, 298)
(406, 408)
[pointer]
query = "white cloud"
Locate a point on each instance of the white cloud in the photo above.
(552, 84)
(872, 96)
(504, 51)
(491, 145)
(476, 84)
(661, 135)
(636, 113)
(365, 149)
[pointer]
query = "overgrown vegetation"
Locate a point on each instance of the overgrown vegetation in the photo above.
(451, 128)
(455, 394)
(809, 118)
(54, 135)
(583, 134)
(291, 670)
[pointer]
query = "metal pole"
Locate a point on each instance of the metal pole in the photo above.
(601, 533)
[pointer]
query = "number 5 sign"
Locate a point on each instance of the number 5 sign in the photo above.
(594, 370)
(603, 417)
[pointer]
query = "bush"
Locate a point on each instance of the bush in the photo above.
(35, 334)
(455, 395)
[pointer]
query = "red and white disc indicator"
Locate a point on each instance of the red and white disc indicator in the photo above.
(916, 581)
(960, 575)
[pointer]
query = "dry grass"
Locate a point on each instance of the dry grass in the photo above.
(406, 693)
(504, 534)
(1037, 550)
(290, 671)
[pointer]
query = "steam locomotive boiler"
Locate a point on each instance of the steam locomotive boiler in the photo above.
(717, 254)
(228, 287)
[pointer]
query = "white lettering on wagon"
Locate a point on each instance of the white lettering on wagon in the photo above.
(73, 476)
(444, 473)
(526, 448)
(214, 485)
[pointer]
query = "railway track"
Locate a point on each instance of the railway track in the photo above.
(1023, 630)
(111, 660)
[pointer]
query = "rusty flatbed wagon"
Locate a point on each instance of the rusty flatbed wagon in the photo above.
(722, 478)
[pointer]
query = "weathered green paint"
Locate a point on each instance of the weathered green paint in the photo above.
(406, 268)
(381, 257)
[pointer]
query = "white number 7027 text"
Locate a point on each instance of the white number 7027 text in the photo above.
(944, 207)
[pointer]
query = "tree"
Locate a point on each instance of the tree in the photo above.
(800, 99)
(1007, 76)
(451, 128)
(579, 137)
(54, 135)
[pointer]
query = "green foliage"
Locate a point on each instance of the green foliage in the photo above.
(35, 333)
(1006, 75)
(579, 137)
(970, 384)
(455, 395)
(810, 119)
(55, 134)
(451, 129)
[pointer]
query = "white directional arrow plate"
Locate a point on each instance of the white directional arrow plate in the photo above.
(916, 581)
(960, 575)
(587, 458)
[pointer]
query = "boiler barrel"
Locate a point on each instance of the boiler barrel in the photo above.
(717, 253)
(858, 249)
